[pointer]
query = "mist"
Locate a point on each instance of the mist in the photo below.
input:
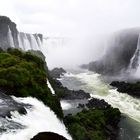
(85, 25)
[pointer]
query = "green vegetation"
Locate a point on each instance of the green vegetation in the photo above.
(91, 124)
(25, 74)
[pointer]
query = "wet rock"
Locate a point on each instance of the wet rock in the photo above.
(127, 87)
(65, 93)
(96, 103)
(81, 106)
(111, 132)
(71, 94)
(8, 105)
(48, 136)
(57, 72)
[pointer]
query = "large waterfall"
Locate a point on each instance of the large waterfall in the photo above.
(29, 41)
(26, 41)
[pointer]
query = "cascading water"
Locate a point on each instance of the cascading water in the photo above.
(29, 41)
(38, 41)
(135, 60)
(34, 43)
(39, 118)
(20, 40)
(10, 38)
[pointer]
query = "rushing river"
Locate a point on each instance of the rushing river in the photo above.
(99, 88)
(39, 118)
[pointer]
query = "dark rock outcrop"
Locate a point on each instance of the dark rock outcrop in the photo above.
(117, 58)
(126, 87)
(97, 103)
(57, 72)
(65, 93)
(72, 94)
(8, 105)
(48, 136)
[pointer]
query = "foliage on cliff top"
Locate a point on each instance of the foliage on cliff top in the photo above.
(92, 124)
(25, 75)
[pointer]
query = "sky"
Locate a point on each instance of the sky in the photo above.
(72, 17)
(89, 21)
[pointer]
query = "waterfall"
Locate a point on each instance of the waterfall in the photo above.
(29, 41)
(10, 38)
(34, 43)
(39, 41)
(20, 40)
(39, 118)
(27, 45)
(134, 62)
(50, 87)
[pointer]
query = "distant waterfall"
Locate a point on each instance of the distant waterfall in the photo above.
(10, 38)
(135, 60)
(34, 44)
(38, 41)
(24, 41)
(29, 41)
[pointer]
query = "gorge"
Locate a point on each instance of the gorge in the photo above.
(27, 84)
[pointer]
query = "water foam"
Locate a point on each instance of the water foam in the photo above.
(38, 119)
(92, 83)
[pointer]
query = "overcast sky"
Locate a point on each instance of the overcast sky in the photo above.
(72, 17)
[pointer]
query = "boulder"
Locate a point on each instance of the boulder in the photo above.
(97, 103)
(57, 72)
(8, 105)
(48, 136)
(127, 87)
(72, 95)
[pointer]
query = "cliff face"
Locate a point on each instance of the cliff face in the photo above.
(118, 56)
(8, 27)
(10, 37)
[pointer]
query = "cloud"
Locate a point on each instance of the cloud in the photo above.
(89, 20)
(65, 16)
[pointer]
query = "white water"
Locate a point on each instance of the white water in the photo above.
(65, 105)
(39, 42)
(29, 41)
(21, 44)
(138, 69)
(50, 87)
(134, 66)
(93, 84)
(38, 119)
(34, 43)
(10, 37)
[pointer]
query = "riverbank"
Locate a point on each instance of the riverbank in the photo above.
(94, 84)
(90, 119)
